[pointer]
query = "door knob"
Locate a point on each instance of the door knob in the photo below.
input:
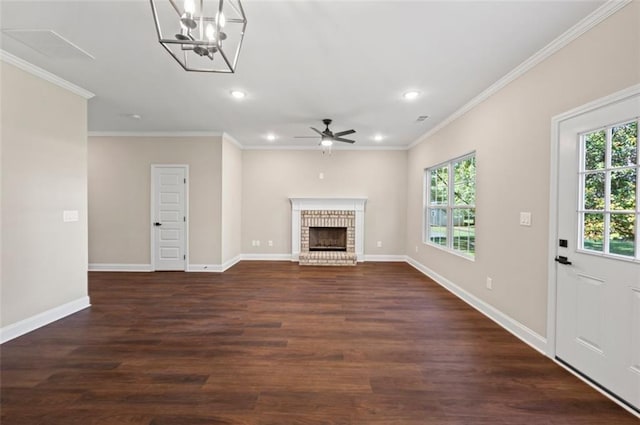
(157, 224)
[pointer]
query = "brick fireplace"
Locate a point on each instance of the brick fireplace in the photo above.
(327, 231)
(327, 251)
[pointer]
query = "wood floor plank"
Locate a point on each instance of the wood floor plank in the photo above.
(269, 343)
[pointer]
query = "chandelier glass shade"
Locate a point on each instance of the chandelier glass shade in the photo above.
(202, 35)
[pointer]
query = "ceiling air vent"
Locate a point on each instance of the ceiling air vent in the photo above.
(49, 43)
(422, 118)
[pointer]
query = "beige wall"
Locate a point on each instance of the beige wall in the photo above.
(231, 200)
(270, 178)
(44, 172)
(119, 196)
(511, 135)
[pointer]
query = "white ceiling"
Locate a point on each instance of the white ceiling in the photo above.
(302, 61)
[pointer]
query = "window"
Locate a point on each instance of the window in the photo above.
(450, 199)
(608, 211)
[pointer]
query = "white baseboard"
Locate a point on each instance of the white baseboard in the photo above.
(211, 268)
(207, 268)
(214, 268)
(9, 332)
(267, 257)
(384, 258)
(519, 330)
(232, 262)
(103, 267)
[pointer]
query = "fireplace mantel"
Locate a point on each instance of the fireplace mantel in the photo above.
(336, 204)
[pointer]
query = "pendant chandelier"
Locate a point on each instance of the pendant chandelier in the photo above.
(202, 35)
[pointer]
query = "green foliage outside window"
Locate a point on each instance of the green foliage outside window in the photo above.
(620, 172)
(450, 209)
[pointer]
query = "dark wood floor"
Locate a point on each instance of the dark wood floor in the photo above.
(276, 343)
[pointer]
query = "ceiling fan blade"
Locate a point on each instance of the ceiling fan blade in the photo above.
(343, 133)
(317, 131)
(340, 139)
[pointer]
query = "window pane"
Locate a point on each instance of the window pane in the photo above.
(464, 226)
(622, 234)
(624, 142)
(594, 191)
(464, 182)
(438, 226)
(593, 232)
(623, 189)
(595, 146)
(439, 186)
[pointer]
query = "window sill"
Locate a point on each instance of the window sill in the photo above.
(451, 251)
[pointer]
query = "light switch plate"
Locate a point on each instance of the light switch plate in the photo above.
(70, 215)
(525, 219)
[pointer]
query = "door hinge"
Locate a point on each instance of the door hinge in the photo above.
(185, 181)
(184, 219)
(184, 257)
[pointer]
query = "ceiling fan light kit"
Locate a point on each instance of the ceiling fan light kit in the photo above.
(328, 137)
(201, 35)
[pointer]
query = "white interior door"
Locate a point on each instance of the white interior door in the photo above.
(598, 293)
(169, 218)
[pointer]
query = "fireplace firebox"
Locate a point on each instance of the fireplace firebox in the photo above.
(327, 238)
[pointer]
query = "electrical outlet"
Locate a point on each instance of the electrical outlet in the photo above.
(525, 219)
(258, 242)
(270, 243)
(416, 248)
(379, 244)
(489, 283)
(321, 176)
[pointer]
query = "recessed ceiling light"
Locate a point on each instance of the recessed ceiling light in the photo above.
(133, 116)
(271, 137)
(378, 137)
(410, 95)
(238, 94)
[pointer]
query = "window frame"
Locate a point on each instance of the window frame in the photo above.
(607, 212)
(449, 207)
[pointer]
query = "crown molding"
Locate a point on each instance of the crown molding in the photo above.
(317, 148)
(234, 141)
(593, 19)
(230, 138)
(45, 75)
(154, 133)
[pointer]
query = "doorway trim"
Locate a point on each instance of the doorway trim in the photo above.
(556, 121)
(152, 198)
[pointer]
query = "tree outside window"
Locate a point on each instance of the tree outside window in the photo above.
(450, 205)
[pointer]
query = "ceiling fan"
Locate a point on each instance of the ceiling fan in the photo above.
(328, 137)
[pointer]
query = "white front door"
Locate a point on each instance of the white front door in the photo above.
(598, 268)
(169, 217)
